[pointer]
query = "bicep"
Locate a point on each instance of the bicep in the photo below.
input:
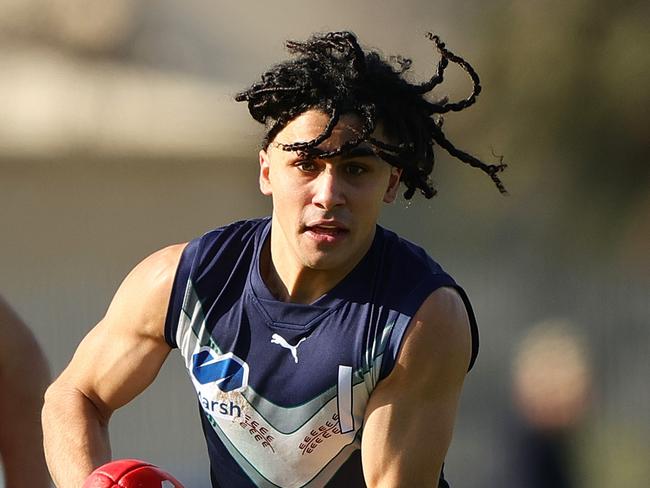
(113, 364)
(410, 414)
(123, 353)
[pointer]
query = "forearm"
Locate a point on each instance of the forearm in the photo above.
(75, 436)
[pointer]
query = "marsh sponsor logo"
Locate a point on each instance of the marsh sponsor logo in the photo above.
(217, 378)
(224, 408)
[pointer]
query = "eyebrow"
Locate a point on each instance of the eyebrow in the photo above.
(358, 152)
(355, 152)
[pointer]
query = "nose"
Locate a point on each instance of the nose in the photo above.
(328, 191)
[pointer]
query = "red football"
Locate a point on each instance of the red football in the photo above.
(130, 473)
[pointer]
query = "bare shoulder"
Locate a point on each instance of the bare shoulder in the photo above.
(144, 293)
(439, 333)
(437, 344)
(159, 268)
(435, 352)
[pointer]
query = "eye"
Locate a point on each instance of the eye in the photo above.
(355, 169)
(306, 166)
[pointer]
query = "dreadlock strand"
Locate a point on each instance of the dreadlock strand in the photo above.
(325, 134)
(476, 89)
(368, 126)
(490, 169)
(272, 89)
(437, 78)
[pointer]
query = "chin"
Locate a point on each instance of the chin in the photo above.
(324, 261)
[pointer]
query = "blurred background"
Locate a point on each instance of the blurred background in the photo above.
(119, 135)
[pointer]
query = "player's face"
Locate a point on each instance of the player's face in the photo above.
(326, 209)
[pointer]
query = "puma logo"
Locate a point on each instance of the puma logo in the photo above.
(278, 339)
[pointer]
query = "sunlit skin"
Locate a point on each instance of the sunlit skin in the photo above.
(324, 210)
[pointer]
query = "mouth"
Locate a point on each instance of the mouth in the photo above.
(326, 231)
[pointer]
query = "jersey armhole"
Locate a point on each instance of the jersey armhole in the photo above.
(179, 288)
(399, 330)
(473, 326)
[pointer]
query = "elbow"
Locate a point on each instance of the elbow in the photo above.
(51, 399)
(65, 403)
(53, 408)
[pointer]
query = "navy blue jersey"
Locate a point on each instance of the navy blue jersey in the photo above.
(282, 387)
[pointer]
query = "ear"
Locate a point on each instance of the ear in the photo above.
(265, 167)
(393, 184)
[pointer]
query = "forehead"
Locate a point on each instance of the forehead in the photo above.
(311, 123)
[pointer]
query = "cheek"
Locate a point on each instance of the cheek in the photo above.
(373, 197)
(289, 197)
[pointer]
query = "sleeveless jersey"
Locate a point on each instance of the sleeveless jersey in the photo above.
(282, 387)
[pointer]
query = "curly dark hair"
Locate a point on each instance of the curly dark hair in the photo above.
(332, 73)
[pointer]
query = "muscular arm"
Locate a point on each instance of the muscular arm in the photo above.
(116, 361)
(24, 375)
(410, 415)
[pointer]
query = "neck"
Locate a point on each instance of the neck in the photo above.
(293, 282)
